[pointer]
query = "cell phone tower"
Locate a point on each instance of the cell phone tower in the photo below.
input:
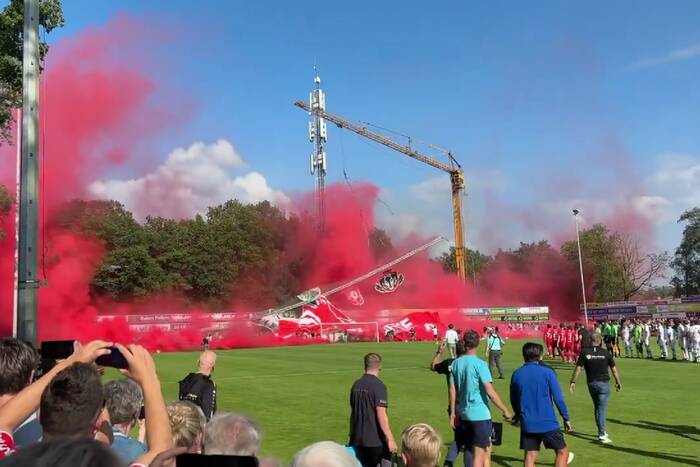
(318, 134)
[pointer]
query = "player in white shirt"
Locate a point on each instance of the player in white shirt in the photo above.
(626, 329)
(646, 337)
(695, 337)
(451, 339)
(671, 338)
(661, 339)
(682, 339)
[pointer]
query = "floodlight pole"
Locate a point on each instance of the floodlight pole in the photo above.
(28, 231)
(580, 265)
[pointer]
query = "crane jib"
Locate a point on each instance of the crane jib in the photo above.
(456, 174)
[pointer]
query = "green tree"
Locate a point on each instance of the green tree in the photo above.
(11, 49)
(107, 220)
(599, 250)
(128, 272)
(686, 260)
(638, 268)
(6, 203)
(476, 262)
(168, 244)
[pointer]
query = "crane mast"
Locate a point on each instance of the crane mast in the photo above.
(453, 169)
(318, 134)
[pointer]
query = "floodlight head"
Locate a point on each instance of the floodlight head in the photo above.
(576, 211)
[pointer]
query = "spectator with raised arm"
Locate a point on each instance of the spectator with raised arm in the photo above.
(71, 400)
(18, 360)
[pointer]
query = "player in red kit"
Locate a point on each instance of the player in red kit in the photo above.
(557, 341)
(549, 340)
(569, 344)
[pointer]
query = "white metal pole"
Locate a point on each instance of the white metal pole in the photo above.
(580, 265)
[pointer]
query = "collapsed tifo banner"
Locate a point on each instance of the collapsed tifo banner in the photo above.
(313, 315)
(392, 324)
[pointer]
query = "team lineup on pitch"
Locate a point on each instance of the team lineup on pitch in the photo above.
(310, 403)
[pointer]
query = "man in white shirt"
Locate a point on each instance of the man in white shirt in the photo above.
(695, 344)
(451, 338)
(646, 338)
(671, 338)
(626, 329)
(680, 335)
(661, 330)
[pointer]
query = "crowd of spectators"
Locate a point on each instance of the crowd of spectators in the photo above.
(68, 417)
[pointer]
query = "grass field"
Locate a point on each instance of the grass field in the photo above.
(300, 395)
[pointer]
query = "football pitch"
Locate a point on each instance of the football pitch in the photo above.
(299, 395)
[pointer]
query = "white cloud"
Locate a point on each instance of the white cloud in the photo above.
(188, 182)
(432, 190)
(677, 55)
(679, 174)
(654, 208)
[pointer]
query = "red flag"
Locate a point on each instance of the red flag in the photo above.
(422, 321)
(312, 316)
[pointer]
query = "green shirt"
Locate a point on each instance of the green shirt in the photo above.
(607, 330)
(637, 333)
(616, 330)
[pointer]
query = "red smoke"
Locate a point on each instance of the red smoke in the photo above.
(97, 108)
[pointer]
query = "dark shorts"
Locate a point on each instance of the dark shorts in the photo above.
(371, 456)
(470, 434)
(551, 440)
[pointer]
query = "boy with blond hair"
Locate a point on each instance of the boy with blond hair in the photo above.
(420, 446)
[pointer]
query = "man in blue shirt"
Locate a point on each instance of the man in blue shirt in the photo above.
(533, 387)
(470, 389)
(123, 400)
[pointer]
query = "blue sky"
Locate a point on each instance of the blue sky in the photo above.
(547, 105)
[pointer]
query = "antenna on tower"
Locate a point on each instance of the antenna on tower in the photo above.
(318, 134)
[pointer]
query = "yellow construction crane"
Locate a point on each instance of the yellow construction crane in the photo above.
(453, 169)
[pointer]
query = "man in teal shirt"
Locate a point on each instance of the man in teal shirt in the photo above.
(470, 389)
(494, 346)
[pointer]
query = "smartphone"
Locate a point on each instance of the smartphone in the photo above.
(497, 434)
(203, 460)
(114, 359)
(142, 413)
(56, 350)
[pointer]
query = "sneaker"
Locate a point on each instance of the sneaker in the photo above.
(570, 458)
(605, 439)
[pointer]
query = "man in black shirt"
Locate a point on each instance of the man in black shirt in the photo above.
(199, 388)
(596, 361)
(584, 336)
(370, 434)
(444, 368)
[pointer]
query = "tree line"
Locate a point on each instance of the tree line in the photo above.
(246, 251)
(618, 265)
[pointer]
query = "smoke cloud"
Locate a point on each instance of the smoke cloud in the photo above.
(98, 108)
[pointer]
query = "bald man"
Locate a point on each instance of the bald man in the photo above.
(199, 388)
